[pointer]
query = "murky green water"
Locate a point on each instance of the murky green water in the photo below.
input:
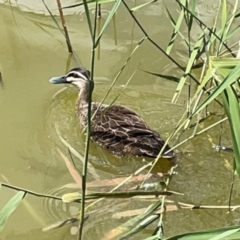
(32, 110)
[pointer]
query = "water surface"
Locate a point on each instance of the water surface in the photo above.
(32, 110)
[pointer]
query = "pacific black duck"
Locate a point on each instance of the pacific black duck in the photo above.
(116, 128)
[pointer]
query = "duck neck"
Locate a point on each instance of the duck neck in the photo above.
(82, 104)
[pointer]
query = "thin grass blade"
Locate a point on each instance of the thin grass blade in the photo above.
(123, 67)
(174, 25)
(224, 14)
(53, 18)
(176, 28)
(168, 77)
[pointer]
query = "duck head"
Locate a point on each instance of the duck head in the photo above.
(79, 77)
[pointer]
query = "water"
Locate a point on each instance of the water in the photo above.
(31, 51)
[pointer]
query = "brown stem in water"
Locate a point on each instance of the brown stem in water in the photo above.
(64, 26)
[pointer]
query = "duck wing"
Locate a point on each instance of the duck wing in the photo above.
(122, 131)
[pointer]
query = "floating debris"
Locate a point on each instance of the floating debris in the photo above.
(222, 148)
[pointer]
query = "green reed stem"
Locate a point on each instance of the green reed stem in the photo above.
(36, 194)
(160, 222)
(85, 164)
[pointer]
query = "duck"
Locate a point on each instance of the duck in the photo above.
(116, 128)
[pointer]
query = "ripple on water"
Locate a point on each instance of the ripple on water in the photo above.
(56, 209)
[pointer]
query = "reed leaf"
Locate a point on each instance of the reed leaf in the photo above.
(227, 69)
(9, 208)
(142, 5)
(189, 67)
(205, 80)
(224, 15)
(214, 234)
(225, 234)
(143, 224)
(232, 32)
(152, 238)
(224, 62)
(109, 18)
(177, 26)
(190, 23)
(227, 23)
(72, 197)
(90, 3)
(231, 106)
(228, 80)
(130, 223)
(115, 29)
(88, 18)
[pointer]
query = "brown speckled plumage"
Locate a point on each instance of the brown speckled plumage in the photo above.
(116, 128)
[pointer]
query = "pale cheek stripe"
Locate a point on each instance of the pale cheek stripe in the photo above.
(70, 79)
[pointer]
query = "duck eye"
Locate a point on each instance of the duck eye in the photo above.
(75, 75)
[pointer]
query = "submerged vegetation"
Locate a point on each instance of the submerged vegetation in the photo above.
(211, 80)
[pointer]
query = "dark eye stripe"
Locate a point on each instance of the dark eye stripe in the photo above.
(76, 75)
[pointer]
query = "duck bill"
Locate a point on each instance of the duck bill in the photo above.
(58, 80)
